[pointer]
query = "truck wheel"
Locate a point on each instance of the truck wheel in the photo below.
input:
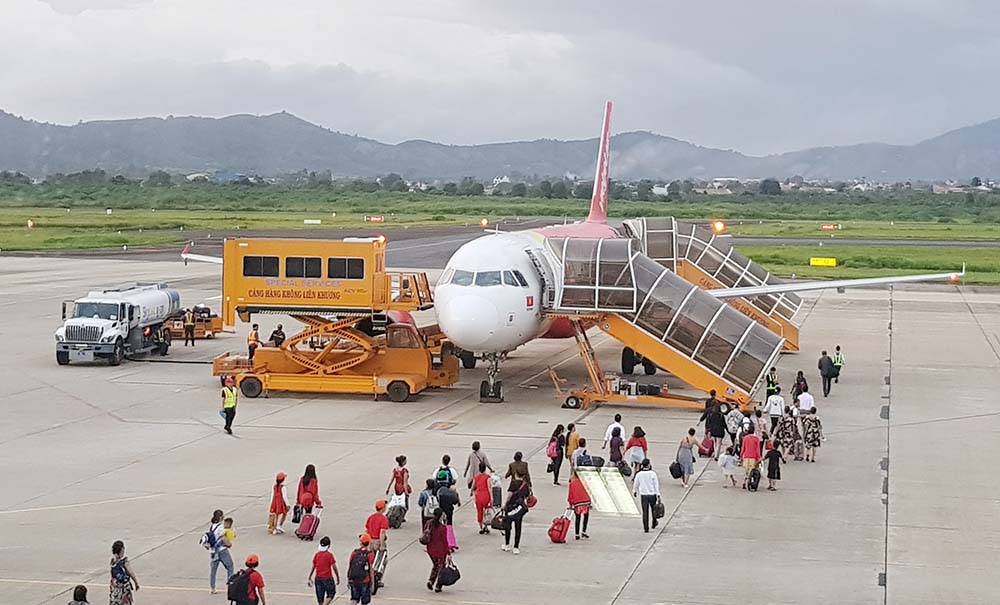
(398, 391)
(628, 361)
(468, 359)
(62, 358)
(648, 367)
(118, 354)
(572, 402)
(251, 387)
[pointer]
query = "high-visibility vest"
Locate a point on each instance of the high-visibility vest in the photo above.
(189, 319)
(230, 397)
(772, 382)
(252, 338)
(838, 359)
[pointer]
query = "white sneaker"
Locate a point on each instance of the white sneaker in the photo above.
(505, 548)
(278, 530)
(517, 552)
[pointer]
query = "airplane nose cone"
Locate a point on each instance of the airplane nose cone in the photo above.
(469, 321)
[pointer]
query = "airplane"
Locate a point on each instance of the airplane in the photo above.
(496, 292)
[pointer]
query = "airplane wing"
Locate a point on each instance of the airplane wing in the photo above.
(200, 258)
(803, 286)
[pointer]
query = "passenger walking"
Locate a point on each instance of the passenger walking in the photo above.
(229, 397)
(377, 526)
(750, 454)
(452, 477)
(734, 420)
(760, 423)
(555, 451)
(277, 336)
(617, 424)
(476, 457)
(447, 499)
(435, 539)
(572, 441)
(775, 406)
(686, 455)
(399, 483)
(307, 495)
(715, 426)
(637, 448)
(214, 540)
(772, 382)
(728, 463)
(122, 578)
(838, 362)
(806, 403)
(646, 485)
(324, 568)
(80, 596)
(427, 501)
(812, 430)
(482, 494)
(774, 461)
(519, 468)
(579, 501)
(580, 453)
(827, 372)
(278, 508)
(359, 571)
(513, 512)
(188, 327)
(616, 447)
(711, 401)
(788, 432)
(255, 585)
(800, 386)
(253, 341)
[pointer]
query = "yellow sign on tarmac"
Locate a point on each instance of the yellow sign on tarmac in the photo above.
(818, 261)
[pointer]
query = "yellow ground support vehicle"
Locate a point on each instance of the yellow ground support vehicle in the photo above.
(206, 324)
(358, 336)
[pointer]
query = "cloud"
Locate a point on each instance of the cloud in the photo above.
(758, 77)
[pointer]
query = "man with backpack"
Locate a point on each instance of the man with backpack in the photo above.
(218, 550)
(359, 571)
(247, 586)
(447, 499)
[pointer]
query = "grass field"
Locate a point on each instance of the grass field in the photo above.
(868, 229)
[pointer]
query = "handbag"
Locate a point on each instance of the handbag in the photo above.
(531, 501)
(425, 536)
(548, 469)
(497, 521)
(449, 573)
(659, 510)
(297, 513)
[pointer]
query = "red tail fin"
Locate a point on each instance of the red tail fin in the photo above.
(599, 199)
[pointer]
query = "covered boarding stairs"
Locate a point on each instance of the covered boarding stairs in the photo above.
(708, 259)
(668, 320)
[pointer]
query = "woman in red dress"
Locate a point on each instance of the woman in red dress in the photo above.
(400, 481)
(308, 494)
(484, 497)
(278, 509)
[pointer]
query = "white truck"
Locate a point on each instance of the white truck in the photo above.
(114, 323)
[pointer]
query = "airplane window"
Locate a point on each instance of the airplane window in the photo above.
(463, 278)
(446, 277)
(509, 279)
(488, 278)
(520, 279)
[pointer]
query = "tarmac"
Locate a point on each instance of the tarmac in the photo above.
(899, 508)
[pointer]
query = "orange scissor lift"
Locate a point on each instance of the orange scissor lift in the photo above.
(359, 336)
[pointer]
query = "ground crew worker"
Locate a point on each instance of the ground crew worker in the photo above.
(188, 327)
(253, 340)
(277, 336)
(772, 382)
(838, 362)
(229, 403)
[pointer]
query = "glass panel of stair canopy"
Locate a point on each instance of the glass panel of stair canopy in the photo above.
(747, 367)
(723, 335)
(692, 320)
(581, 298)
(580, 264)
(662, 303)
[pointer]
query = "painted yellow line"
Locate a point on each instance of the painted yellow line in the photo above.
(78, 504)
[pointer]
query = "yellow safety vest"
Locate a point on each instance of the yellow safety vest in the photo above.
(252, 338)
(230, 394)
(189, 319)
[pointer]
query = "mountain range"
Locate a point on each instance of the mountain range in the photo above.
(282, 143)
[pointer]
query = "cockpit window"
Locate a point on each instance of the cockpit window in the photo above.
(463, 278)
(509, 279)
(446, 276)
(485, 279)
(520, 279)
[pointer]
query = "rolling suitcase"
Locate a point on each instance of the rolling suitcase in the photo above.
(309, 525)
(396, 515)
(559, 529)
(676, 471)
(707, 447)
(753, 482)
(800, 450)
(378, 569)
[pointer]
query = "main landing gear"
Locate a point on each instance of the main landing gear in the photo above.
(630, 359)
(491, 389)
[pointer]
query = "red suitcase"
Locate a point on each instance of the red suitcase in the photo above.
(707, 447)
(559, 529)
(309, 525)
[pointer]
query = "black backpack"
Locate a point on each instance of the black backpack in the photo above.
(359, 567)
(239, 587)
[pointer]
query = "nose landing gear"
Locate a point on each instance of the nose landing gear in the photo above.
(491, 389)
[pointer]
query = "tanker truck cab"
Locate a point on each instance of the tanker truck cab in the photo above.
(115, 323)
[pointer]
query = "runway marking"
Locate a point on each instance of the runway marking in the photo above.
(219, 297)
(78, 504)
(468, 236)
(146, 587)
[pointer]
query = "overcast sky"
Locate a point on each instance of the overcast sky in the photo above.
(759, 77)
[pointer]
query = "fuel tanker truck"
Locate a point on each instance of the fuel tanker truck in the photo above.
(112, 324)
